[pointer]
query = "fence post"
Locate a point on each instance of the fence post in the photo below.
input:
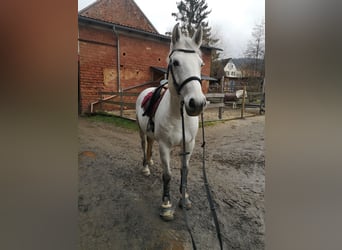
(101, 98)
(222, 91)
(121, 102)
(243, 101)
(220, 113)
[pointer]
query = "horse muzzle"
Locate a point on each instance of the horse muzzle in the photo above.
(194, 107)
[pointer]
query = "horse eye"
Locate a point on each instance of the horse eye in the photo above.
(202, 64)
(175, 63)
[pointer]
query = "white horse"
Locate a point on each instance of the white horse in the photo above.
(239, 94)
(184, 91)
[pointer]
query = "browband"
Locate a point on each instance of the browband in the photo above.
(182, 50)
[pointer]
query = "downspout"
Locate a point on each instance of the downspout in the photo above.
(78, 73)
(118, 70)
(117, 58)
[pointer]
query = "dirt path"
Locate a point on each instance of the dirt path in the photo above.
(119, 207)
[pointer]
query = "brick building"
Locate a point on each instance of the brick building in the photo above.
(119, 49)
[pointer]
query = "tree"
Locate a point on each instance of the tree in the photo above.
(256, 47)
(192, 14)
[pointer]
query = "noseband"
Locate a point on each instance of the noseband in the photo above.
(169, 69)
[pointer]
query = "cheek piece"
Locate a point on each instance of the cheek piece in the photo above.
(179, 86)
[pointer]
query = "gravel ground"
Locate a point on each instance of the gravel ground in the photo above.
(119, 207)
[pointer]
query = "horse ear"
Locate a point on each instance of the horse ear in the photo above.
(197, 37)
(176, 34)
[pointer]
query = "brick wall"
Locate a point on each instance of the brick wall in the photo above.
(98, 51)
(137, 56)
(98, 62)
(94, 57)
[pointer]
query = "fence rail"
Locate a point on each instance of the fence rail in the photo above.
(125, 104)
(215, 100)
(119, 96)
(119, 93)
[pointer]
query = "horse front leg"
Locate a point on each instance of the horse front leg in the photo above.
(166, 210)
(184, 176)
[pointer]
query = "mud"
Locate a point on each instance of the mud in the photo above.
(119, 207)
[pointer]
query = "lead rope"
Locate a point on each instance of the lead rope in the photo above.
(207, 188)
(183, 178)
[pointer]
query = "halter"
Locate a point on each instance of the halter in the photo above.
(169, 69)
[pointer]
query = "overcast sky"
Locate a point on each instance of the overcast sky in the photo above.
(232, 21)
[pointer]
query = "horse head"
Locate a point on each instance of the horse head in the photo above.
(184, 69)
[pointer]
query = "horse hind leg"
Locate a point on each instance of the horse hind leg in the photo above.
(149, 151)
(144, 146)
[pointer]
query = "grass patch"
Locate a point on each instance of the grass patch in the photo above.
(132, 125)
(211, 123)
(115, 120)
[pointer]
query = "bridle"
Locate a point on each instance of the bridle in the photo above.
(170, 69)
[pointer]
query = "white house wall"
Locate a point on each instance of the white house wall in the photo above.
(231, 71)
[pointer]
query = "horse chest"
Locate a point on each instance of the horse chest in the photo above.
(171, 133)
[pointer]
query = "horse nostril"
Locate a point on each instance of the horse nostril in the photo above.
(192, 103)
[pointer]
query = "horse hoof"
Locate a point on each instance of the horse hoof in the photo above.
(146, 171)
(167, 215)
(188, 203)
(166, 212)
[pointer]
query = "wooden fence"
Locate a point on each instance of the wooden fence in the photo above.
(121, 96)
(120, 102)
(216, 100)
(123, 100)
(253, 100)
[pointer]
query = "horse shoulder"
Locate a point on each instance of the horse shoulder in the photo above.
(167, 128)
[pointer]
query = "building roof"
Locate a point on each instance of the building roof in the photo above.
(120, 27)
(220, 68)
(124, 12)
(241, 63)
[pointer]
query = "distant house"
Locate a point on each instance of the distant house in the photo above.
(243, 67)
(231, 69)
(120, 49)
(238, 71)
